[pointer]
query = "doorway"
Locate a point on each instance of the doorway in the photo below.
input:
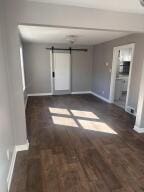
(121, 75)
(61, 73)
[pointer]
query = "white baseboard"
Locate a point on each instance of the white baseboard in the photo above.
(39, 94)
(101, 97)
(80, 92)
(24, 147)
(11, 169)
(138, 129)
(12, 164)
(46, 94)
(26, 101)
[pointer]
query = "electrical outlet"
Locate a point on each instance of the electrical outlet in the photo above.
(8, 154)
(103, 92)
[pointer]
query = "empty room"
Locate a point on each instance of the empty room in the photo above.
(72, 96)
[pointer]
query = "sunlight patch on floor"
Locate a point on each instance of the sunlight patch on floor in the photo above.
(60, 111)
(84, 114)
(64, 121)
(96, 126)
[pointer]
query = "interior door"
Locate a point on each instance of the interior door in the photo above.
(61, 75)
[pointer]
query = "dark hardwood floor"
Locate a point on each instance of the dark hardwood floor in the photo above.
(79, 144)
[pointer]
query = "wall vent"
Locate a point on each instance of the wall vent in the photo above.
(131, 110)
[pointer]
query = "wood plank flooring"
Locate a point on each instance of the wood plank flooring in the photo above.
(79, 144)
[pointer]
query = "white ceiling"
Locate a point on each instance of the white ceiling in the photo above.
(130, 6)
(59, 35)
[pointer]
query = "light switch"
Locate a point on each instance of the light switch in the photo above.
(107, 64)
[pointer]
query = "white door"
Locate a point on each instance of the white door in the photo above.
(62, 69)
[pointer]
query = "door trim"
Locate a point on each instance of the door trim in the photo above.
(51, 72)
(63, 92)
(113, 72)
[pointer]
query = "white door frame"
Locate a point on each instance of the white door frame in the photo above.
(113, 72)
(52, 70)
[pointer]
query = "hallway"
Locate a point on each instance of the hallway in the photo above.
(79, 143)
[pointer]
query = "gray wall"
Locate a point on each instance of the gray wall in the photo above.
(15, 78)
(37, 68)
(71, 16)
(82, 70)
(6, 129)
(101, 74)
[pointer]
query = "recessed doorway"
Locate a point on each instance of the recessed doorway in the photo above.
(121, 75)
